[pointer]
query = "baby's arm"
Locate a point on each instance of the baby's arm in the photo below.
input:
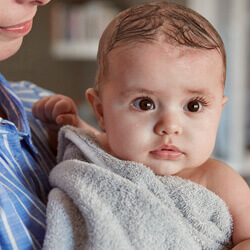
(231, 187)
(56, 111)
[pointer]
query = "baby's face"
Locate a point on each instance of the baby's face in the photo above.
(162, 106)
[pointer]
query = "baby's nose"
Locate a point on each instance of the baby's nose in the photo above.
(169, 124)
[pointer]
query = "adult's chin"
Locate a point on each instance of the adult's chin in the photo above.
(9, 48)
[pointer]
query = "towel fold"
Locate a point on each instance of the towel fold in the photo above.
(101, 202)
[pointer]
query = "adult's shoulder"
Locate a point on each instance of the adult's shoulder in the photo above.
(27, 87)
(29, 92)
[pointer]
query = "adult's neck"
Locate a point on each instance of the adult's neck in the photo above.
(2, 113)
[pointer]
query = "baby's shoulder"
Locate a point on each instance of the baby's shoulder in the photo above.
(222, 179)
(231, 187)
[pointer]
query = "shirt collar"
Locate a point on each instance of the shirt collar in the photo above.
(13, 107)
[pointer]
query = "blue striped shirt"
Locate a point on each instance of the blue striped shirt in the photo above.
(25, 162)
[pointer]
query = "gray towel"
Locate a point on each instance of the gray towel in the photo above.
(101, 202)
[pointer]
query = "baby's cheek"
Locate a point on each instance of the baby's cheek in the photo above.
(205, 145)
(129, 142)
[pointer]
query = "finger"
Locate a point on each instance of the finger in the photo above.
(51, 105)
(66, 119)
(38, 109)
(64, 106)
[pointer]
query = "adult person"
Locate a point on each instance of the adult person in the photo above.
(25, 155)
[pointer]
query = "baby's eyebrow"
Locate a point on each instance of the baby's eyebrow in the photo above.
(132, 91)
(205, 92)
(128, 92)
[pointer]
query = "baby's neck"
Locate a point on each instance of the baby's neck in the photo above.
(197, 174)
(102, 138)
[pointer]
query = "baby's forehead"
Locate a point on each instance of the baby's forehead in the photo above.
(168, 49)
(141, 61)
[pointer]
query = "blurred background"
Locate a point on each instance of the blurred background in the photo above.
(60, 54)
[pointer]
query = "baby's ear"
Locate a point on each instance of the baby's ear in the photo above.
(224, 101)
(94, 99)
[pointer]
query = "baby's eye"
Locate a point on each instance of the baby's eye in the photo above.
(143, 104)
(193, 106)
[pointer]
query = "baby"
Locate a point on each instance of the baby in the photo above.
(158, 100)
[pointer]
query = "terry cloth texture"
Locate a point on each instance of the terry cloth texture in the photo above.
(101, 202)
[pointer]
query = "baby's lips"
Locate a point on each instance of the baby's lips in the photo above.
(169, 147)
(167, 152)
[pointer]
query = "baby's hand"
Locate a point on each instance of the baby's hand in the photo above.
(55, 111)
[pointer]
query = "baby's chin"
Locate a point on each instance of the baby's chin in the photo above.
(164, 171)
(176, 168)
(9, 48)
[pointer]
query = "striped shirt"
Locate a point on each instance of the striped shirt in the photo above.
(25, 162)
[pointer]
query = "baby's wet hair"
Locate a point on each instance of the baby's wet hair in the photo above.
(158, 21)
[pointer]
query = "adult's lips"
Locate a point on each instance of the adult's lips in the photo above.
(18, 29)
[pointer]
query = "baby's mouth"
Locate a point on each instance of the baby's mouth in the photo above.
(167, 152)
